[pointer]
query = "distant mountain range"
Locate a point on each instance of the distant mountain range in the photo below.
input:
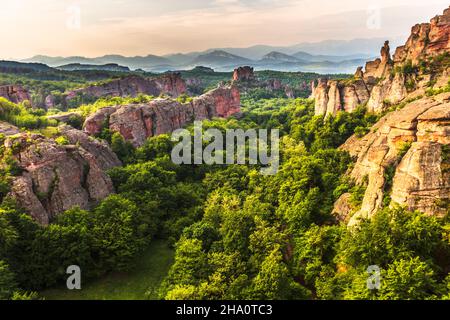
(333, 56)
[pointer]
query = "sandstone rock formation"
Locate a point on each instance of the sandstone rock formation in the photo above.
(332, 96)
(57, 177)
(66, 117)
(274, 84)
(246, 80)
(243, 74)
(422, 179)
(170, 84)
(14, 93)
(136, 123)
(289, 92)
(388, 81)
(49, 102)
(379, 67)
(7, 129)
(426, 40)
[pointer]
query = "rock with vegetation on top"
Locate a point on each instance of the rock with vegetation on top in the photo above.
(57, 175)
(136, 123)
(421, 64)
(405, 158)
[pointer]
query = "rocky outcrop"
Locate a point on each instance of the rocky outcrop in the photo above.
(14, 93)
(274, 84)
(49, 102)
(342, 208)
(246, 79)
(332, 96)
(169, 84)
(57, 177)
(66, 117)
(426, 40)
(7, 129)
(243, 74)
(421, 179)
(379, 67)
(289, 92)
(136, 123)
(389, 81)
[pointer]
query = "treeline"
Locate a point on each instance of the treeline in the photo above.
(238, 234)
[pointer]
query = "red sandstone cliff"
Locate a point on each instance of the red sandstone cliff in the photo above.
(57, 177)
(14, 93)
(136, 123)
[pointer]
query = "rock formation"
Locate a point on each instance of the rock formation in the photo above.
(426, 40)
(246, 80)
(49, 102)
(289, 92)
(66, 117)
(170, 84)
(243, 74)
(14, 93)
(388, 81)
(57, 177)
(379, 67)
(7, 129)
(422, 179)
(138, 122)
(274, 84)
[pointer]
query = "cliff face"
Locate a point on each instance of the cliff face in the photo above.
(14, 93)
(136, 123)
(170, 84)
(421, 179)
(56, 178)
(426, 40)
(243, 74)
(387, 81)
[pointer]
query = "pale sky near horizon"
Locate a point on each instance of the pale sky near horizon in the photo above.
(139, 27)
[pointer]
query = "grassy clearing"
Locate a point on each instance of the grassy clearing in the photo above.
(141, 283)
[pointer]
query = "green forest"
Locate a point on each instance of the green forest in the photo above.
(233, 233)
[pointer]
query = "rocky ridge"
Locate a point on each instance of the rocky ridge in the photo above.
(170, 84)
(404, 160)
(390, 80)
(136, 123)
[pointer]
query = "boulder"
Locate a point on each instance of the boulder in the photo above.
(57, 177)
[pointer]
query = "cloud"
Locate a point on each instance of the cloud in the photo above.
(141, 27)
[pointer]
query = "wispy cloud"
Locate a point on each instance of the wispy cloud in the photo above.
(141, 26)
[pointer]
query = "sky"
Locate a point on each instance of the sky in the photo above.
(139, 27)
